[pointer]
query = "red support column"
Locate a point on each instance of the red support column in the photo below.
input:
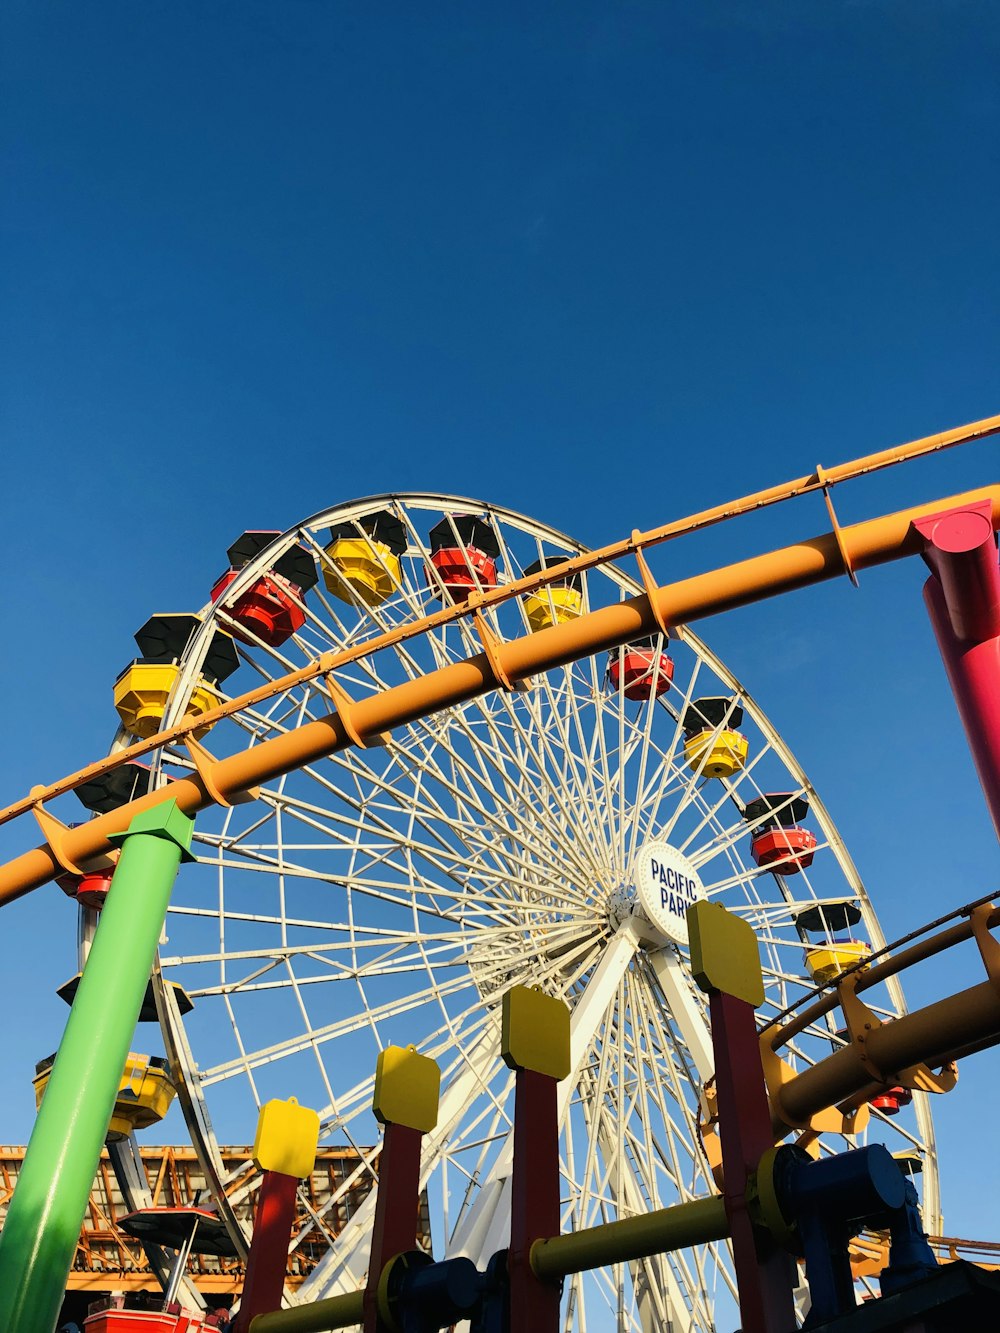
(407, 1085)
(963, 600)
(725, 963)
(535, 1042)
(397, 1212)
(284, 1151)
(268, 1257)
(534, 1206)
(764, 1272)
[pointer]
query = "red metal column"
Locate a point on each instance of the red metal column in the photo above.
(725, 963)
(397, 1211)
(268, 1257)
(534, 1206)
(963, 600)
(764, 1273)
(284, 1151)
(534, 1041)
(406, 1103)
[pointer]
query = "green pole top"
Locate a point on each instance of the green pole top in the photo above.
(167, 821)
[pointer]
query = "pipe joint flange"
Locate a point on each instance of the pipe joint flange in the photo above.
(389, 1283)
(764, 1193)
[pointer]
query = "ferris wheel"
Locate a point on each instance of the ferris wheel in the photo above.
(549, 834)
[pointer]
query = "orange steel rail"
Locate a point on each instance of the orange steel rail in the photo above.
(936, 1035)
(860, 546)
(981, 918)
(878, 1053)
(820, 480)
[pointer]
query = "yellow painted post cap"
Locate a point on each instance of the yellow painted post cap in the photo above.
(407, 1085)
(287, 1135)
(535, 1032)
(724, 952)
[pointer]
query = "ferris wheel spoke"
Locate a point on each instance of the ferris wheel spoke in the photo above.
(358, 827)
(523, 827)
(651, 1090)
(423, 812)
(293, 1045)
(449, 950)
(401, 889)
(599, 755)
(628, 1202)
(546, 793)
(574, 774)
(597, 794)
(651, 795)
(665, 767)
(350, 762)
(483, 707)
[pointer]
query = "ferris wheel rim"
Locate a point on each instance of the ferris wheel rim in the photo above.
(430, 500)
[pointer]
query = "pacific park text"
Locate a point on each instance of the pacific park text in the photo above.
(677, 891)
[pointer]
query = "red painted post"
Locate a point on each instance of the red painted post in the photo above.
(268, 1257)
(397, 1212)
(407, 1085)
(725, 963)
(963, 600)
(764, 1272)
(285, 1151)
(534, 1205)
(535, 1042)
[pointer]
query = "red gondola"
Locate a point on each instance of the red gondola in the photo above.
(640, 670)
(269, 609)
(464, 554)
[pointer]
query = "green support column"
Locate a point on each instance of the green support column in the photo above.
(46, 1212)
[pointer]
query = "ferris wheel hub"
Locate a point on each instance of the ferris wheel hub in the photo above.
(662, 885)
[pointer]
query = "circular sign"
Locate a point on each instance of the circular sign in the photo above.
(667, 884)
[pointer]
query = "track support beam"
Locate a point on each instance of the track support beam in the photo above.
(963, 601)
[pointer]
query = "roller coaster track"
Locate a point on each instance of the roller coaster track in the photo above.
(876, 1053)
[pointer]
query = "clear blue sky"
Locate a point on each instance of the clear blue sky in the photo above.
(605, 264)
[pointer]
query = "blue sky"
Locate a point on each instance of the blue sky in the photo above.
(605, 264)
